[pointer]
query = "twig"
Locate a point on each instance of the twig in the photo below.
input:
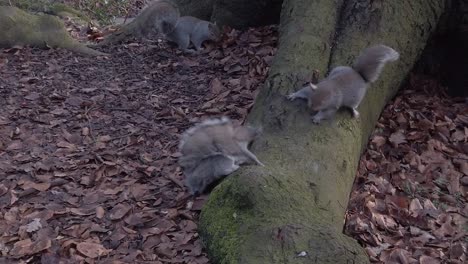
(127, 135)
(99, 158)
(89, 122)
(126, 146)
(449, 156)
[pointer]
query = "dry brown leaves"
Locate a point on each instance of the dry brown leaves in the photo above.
(409, 201)
(88, 146)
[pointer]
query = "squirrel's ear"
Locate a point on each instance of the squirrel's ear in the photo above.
(313, 86)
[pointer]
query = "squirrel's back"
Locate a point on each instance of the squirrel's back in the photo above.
(200, 139)
(191, 29)
(212, 149)
(184, 24)
(370, 62)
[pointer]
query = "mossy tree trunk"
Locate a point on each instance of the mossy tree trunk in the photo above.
(18, 27)
(292, 211)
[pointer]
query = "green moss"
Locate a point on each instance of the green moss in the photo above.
(225, 233)
(63, 10)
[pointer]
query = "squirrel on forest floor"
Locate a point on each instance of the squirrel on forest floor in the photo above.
(190, 29)
(187, 29)
(213, 149)
(345, 86)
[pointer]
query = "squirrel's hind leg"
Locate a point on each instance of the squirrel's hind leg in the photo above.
(197, 43)
(355, 112)
(183, 42)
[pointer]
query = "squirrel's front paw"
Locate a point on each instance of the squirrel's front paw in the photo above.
(355, 113)
(316, 120)
(189, 51)
(291, 96)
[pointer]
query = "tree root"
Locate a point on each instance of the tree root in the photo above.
(18, 27)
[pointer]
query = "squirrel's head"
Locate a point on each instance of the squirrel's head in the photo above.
(215, 32)
(246, 134)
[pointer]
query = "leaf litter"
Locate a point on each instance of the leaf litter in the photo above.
(409, 199)
(88, 151)
(88, 146)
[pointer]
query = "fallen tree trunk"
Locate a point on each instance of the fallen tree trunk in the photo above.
(292, 211)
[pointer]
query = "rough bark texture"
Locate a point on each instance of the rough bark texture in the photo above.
(50, 7)
(198, 8)
(246, 13)
(21, 28)
(297, 203)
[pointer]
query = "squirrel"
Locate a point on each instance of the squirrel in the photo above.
(346, 86)
(213, 149)
(188, 30)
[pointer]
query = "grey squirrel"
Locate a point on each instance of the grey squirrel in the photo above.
(212, 149)
(346, 86)
(188, 30)
(151, 20)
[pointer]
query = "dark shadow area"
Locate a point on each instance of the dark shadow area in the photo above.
(446, 55)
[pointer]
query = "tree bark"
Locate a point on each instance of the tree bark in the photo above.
(202, 9)
(292, 211)
(246, 13)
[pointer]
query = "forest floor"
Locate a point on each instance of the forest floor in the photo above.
(88, 151)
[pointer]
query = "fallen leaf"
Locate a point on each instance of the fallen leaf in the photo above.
(92, 250)
(216, 86)
(34, 225)
(397, 138)
(119, 211)
(100, 212)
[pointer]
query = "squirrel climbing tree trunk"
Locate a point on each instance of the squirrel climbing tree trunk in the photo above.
(292, 211)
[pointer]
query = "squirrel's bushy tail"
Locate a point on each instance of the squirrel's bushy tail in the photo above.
(164, 13)
(189, 135)
(370, 62)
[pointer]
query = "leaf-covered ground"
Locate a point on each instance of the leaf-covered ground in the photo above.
(409, 201)
(88, 150)
(88, 146)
